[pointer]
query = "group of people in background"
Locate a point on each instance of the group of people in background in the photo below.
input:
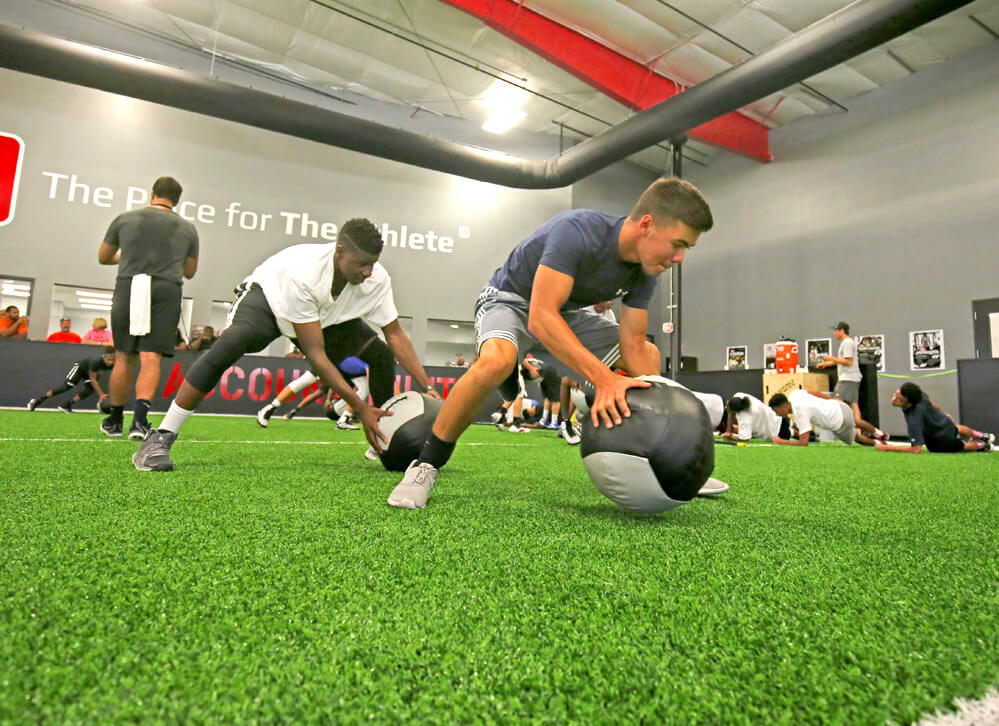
(555, 288)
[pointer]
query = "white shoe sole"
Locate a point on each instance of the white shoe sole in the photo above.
(712, 487)
(403, 503)
(139, 467)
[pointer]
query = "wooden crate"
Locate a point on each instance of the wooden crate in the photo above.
(787, 382)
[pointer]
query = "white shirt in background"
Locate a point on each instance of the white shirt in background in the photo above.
(811, 411)
(758, 422)
(298, 281)
(714, 404)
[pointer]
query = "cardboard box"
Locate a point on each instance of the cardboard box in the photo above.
(786, 382)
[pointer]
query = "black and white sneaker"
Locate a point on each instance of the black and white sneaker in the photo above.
(264, 415)
(66, 407)
(290, 415)
(137, 432)
(33, 404)
(110, 429)
(569, 433)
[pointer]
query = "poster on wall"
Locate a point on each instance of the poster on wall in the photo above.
(770, 356)
(871, 349)
(816, 349)
(736, 358)
(926, 350)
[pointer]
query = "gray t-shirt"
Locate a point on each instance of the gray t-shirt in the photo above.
(583, 244)
(153, 241)
(848, 349)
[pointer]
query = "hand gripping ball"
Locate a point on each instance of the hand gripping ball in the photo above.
(659, 457)
(413, 415)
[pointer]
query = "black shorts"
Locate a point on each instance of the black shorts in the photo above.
(945, 444)
(163, 320)
(551, 385)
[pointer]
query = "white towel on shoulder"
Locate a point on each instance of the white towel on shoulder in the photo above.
(140, 305)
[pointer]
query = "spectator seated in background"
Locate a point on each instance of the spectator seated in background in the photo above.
(203, 341)
(64, 334)
(12, 325)
(98, 334)
(929, 426)
(180, 343)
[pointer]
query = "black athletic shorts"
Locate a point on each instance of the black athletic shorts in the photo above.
(163, 321)
(945, 444)
(551, 385)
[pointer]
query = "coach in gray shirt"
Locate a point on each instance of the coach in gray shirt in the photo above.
(154, 249)
(847, 368)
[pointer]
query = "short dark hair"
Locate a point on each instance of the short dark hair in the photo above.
(166, 187)
(674, 199)
(108, 350)
(737, 404)
(913, 393)
(64, 318)
(362, 234)
(778, 399)
(11, 307)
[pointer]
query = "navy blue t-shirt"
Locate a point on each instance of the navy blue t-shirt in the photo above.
(926, 423)
(583, 244)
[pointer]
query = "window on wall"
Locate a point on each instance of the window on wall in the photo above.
(448, 339)
(88, 308)
(16, 291)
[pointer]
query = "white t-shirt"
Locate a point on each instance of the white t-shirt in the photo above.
(297, 283)
(758, 421)
(714, 405)
(810, 411)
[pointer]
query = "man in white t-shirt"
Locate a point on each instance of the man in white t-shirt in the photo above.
(750, 418)
(316, 295)
(812, 409)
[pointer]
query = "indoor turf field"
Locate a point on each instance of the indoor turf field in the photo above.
(266, 580)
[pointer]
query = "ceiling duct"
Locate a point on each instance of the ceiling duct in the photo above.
(853, 30)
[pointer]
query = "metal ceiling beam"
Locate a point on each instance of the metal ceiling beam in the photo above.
(626, 81)
(839, 37)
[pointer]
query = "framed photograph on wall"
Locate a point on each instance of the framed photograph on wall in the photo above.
(770, 356)
(926, 350)
(736, 358)
(871, 349)
(815, 348)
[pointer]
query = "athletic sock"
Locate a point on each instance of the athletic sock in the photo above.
(436, 452)
(142, 407)
(275, 403)
(117, 414)
(175, 418)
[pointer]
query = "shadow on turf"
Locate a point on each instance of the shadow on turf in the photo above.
(675, 518)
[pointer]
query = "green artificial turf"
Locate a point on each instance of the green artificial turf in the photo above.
(270, 582)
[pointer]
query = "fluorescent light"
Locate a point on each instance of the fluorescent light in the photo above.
(93, 293)
(502, 95)
(88, 306)
(14, 293)
(94, 300)
(502, 121)
(454, 326)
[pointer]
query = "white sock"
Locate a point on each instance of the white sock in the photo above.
(175, 418)
(275, 404)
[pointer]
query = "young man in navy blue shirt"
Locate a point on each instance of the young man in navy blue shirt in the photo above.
(929, 426)
(575, 260)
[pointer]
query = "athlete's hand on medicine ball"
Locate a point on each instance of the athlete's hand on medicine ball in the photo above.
(609, 403)
(432, 392)
(369, 416)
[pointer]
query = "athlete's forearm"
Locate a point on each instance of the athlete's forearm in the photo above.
(554, 333)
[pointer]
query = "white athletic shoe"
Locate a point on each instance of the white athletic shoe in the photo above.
(515, 429)
(371, 454)
(570, 433)
(264, 415)
(414, 489)
(713, 487)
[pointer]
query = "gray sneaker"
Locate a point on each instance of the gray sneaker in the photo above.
(414, 489)
(154, 451)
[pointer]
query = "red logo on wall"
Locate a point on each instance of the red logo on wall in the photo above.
(11, 154)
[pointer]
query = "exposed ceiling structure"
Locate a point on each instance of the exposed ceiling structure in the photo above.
(572, 67)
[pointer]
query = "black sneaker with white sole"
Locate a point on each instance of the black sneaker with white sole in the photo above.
(33, 404)
(137, 432)
(66, 407)
(264, 415)
(110, 429)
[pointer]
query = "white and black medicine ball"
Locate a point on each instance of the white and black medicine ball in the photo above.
(413, 415)
(659, 457)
